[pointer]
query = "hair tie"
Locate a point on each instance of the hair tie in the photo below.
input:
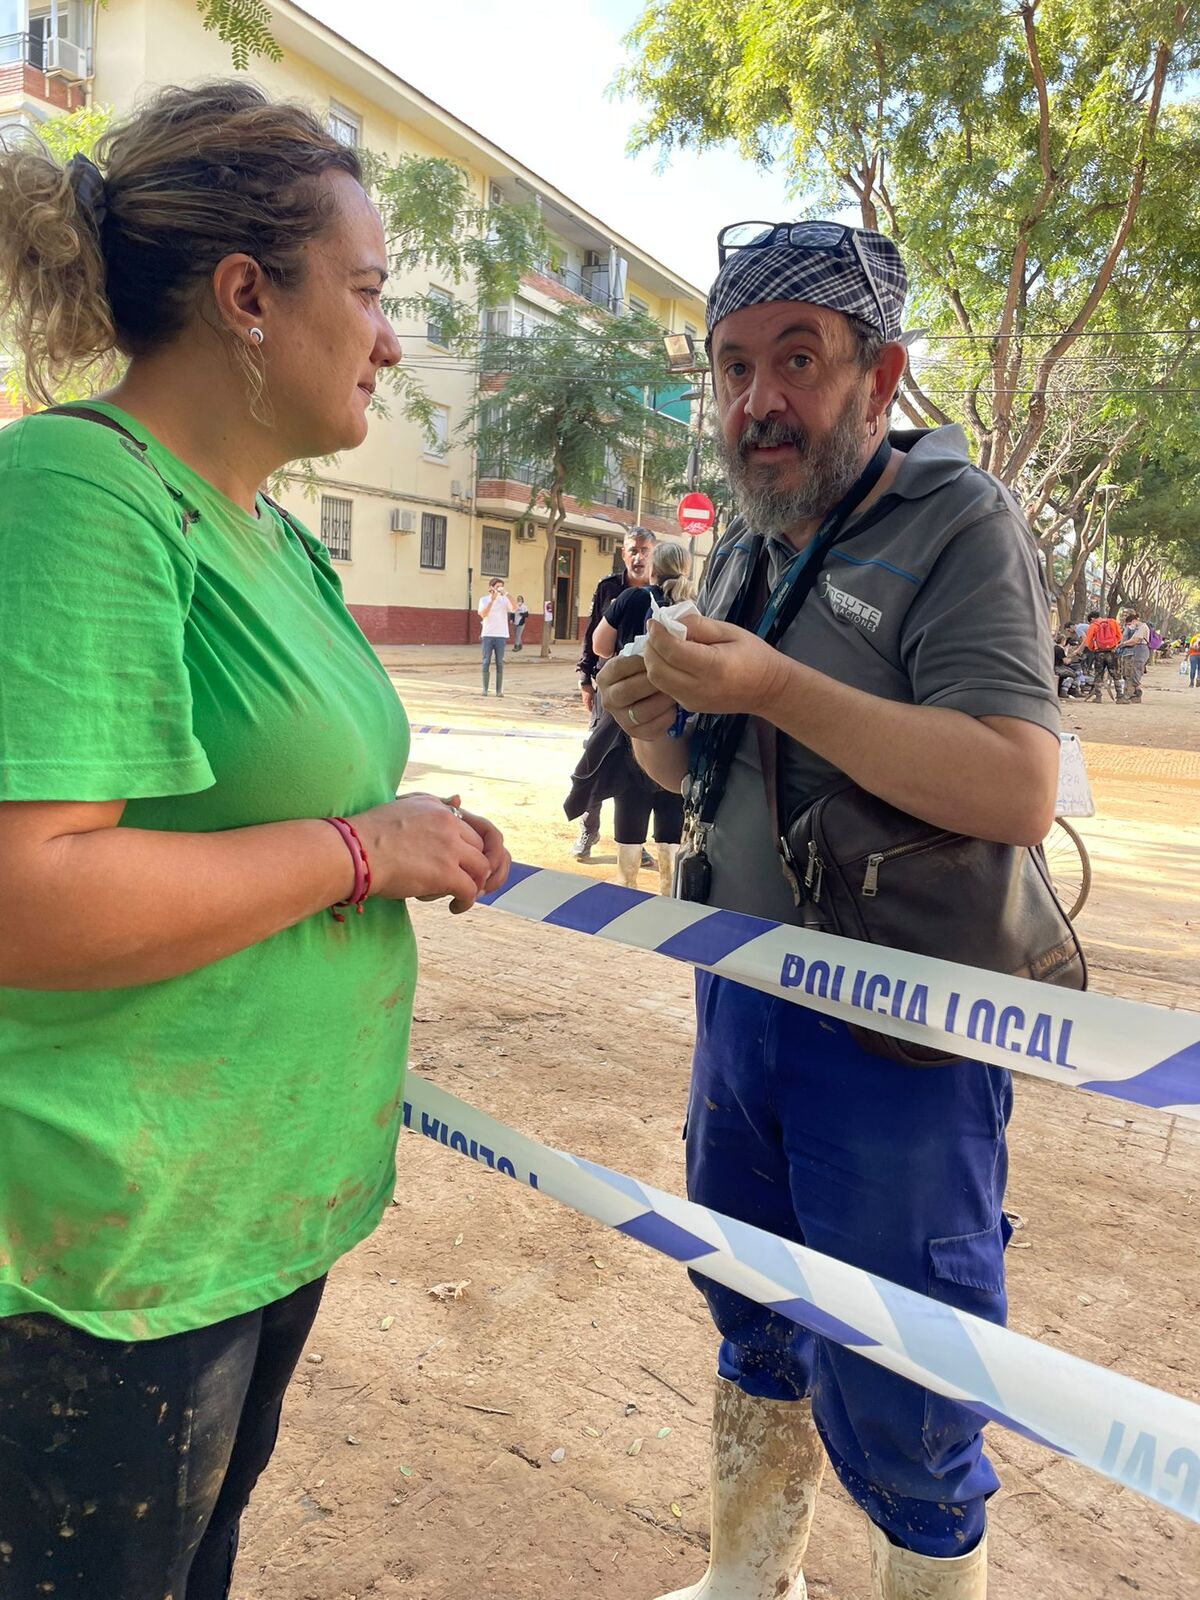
(87, 185)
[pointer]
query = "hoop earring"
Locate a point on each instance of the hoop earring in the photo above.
(874, 426)
(257, 335)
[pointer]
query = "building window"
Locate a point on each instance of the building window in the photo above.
(690, 331)
(493, 558)
(435, 332)
(440, 422)
(433, 541)
(345, 127)
(640, 307)
(335, 526)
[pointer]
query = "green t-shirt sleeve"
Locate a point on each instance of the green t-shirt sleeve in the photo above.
(95, 697)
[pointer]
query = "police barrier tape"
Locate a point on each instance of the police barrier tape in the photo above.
(1142, 1053)
(1137, 1436)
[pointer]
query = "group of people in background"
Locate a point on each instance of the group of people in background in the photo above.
(621, 609)
(1103, 647)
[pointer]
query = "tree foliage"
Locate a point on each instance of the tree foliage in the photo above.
(565, 410)
(1033, 161)
(434, 222)
(244, 25)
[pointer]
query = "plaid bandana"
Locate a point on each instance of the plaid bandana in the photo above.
(832, 278)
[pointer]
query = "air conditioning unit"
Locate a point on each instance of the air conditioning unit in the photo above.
(494, 195)
(402, 521)
(65, 59)
(608, 544)
(456, 488)
(526, 532)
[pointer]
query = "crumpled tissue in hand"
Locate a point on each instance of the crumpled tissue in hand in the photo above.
(671, 618)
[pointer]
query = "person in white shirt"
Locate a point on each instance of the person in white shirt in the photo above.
(495, 609)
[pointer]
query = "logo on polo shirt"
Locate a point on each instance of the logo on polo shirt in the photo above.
(849, 607)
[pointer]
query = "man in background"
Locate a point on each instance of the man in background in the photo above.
(1100, 653)
(494, 611)
(1135, 652)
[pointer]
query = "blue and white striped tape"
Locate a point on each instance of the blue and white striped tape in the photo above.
(1138, 1436)
(1142, 1053)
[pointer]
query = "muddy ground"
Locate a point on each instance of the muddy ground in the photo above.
(416, 1458)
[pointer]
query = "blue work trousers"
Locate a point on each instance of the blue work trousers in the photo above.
(793, 1127)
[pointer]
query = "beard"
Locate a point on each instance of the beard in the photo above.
(830, 462)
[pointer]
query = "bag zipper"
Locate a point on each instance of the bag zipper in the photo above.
(870, 884)
(814, 873)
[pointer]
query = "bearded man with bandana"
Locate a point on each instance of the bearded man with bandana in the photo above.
(919, 666)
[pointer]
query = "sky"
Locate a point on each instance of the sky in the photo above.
(532, 76)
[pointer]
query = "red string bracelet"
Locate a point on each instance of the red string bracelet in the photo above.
(362, 868)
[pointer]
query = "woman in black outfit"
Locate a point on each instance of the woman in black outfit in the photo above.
(607, 768)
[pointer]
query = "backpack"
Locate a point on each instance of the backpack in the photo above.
(1108, 635)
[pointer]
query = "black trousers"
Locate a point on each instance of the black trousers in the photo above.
(633, 810)
(125, 1468)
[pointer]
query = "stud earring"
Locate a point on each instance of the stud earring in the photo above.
(257, 335)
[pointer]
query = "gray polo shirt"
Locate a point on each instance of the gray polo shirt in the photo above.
(933, 597)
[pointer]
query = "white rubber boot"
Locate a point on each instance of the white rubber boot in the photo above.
(666, 867)
(903, 1575)
(767, 1464)
(629, 861)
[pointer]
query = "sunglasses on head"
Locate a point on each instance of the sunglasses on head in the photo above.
(800, 236)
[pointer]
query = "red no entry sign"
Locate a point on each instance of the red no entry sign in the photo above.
(696, 514)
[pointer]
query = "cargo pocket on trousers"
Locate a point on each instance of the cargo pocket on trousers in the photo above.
(966, 1270)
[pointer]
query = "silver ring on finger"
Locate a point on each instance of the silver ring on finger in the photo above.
(632, 715)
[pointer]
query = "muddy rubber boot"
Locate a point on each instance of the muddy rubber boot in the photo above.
(898, 1574)
(666, 867)
(767, 1464)
(629, 861)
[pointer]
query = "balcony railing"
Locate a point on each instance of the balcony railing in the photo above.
(44, 54)
(622, 496)
(16, 48)
(665, 509)
(507, 471)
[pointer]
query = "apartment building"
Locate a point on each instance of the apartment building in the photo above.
(416, 528)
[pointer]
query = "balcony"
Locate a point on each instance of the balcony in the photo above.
(51, 70)
(619, 495)
(57, 56)
(592, 284)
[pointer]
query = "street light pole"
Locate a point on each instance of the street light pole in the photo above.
(1107, 490)
(637, 515)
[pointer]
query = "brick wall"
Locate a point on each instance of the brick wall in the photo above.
(433, 625)
(17, 77)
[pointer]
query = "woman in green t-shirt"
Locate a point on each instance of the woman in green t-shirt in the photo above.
(201, 1067)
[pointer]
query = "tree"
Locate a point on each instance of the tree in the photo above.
(1030, 162)
(433, 221)
(564, 410)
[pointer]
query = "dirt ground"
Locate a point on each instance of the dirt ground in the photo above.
(416, 1458)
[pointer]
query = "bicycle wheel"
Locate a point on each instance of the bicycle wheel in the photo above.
(1069, 865)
